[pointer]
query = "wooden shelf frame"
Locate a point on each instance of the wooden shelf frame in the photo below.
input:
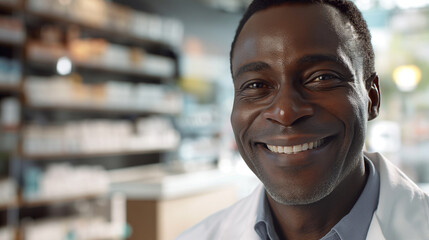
(65, 200)
(11, 6)
(10, 129)
(98, 110)
(5, 88)
(132, 72)
(10, 43)
(9, 206)
(42, 157)
(131, 38)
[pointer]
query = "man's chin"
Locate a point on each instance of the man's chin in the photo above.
(299, 196)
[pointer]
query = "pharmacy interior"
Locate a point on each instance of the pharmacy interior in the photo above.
(114, 115)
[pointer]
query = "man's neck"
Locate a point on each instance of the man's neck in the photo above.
(315, 220)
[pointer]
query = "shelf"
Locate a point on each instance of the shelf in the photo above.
(11, 43)
(8, 206)
(51, 201)
(82, 225)
(10, 129)
(12, 38)
(170, 186)
(41, 157)
(10, 88)
(9, 232)
(120, 35)
(10, 6)
(49, 62)
(98, 110)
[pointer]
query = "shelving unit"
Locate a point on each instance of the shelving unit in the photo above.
(39, 56)
(101, 154)
(65, 200)
(139, 59)
(8, 42)
(50, 63)
(12, 39)
(107, 111)
(7, 88)
(11, 5)
(45, 202)
(96, 29)
(4, 207)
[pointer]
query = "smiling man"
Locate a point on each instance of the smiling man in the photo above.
(305, 88)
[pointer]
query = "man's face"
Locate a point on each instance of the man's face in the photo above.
(301, 105)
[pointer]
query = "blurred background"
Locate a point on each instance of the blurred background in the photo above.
(114, 115)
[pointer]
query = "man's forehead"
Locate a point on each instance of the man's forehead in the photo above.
(306, 25)
(315, 17)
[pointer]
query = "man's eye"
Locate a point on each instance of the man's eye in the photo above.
(324, 77)
(256, 85)
(254, 90)
(324, 81)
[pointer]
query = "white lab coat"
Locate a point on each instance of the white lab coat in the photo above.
(402, 212)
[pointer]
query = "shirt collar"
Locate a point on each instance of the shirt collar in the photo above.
(356, 223)
(353, 226)
(264, 225)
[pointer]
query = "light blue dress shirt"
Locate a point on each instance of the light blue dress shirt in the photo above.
(353, 226)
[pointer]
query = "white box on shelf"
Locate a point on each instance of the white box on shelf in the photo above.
(82, 227)
(7, 233)
(62, 181)
(117, 57)
(155, 28)
(8, 191)
(173, 32)
(92, 12)
(10, 114)
(140, 24)
(118, 17)
(158, 66)
(10, 72)
(11, 30)
(39, 5)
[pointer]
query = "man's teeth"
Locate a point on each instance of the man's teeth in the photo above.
(296, 148)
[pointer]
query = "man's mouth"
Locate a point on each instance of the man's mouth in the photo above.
(296, 148)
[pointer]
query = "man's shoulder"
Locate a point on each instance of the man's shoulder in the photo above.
(392, 179)
(403, 209)
(232, 220)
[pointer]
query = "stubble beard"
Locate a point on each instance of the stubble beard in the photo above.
(295, 196)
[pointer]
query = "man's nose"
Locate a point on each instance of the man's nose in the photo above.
(288, 108)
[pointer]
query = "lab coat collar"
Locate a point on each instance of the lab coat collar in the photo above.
(403, 209)
(374, 231)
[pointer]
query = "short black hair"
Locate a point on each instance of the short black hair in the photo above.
(347, 8)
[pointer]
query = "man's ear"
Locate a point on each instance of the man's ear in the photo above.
(374, 98)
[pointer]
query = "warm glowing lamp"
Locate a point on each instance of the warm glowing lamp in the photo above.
(407, 77)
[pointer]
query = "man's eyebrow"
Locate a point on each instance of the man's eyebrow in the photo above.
(252, 67)
(322, 58)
